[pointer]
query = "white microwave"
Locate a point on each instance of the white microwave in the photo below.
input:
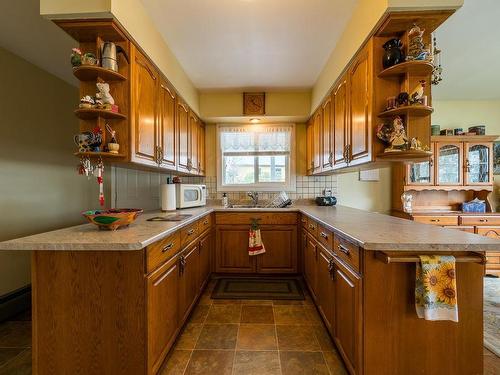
(188, 195)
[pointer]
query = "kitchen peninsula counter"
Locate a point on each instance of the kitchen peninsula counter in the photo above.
(371, 231)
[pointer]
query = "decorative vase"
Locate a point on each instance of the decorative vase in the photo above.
(113, 148)
(393, 53)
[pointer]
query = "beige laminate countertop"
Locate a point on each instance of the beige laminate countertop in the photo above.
(372, 231)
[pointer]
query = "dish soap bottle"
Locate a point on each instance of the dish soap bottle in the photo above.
(225, 200)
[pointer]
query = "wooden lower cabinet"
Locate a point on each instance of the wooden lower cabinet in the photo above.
(325, 298)
(231, 252)
(310, 263)
(189, 269)
(163, 322)
(205, 249)
(347, 315)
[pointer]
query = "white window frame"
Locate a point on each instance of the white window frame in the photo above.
(289, 185)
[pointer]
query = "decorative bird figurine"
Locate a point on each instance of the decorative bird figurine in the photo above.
(417, 95)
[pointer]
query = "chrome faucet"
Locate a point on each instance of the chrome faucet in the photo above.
(255, 197)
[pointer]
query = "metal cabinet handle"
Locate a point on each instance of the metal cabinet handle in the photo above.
(182, 263)
(303, 221)
(483, 220)
(167, 247)
(331, 268)
(189, 164)
(467, 165)
(344, 249)
(330, 159)
(190, 232)
(160, 155)
(311, 226)
(324, 235)
(435, 220)
(205, 222)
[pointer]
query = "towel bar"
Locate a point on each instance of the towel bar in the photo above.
(385, 258)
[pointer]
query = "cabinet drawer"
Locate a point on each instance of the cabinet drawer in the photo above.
(189, 233)
(205, 223)
(463, 228)
(492, 232)
(325, 237)
(480, 220)
(347, 251)
(312, 227)
(159, 252)
(245, 218)
(438, 220)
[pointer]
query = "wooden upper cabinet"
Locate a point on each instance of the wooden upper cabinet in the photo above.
(339, 121)
(449, 163)
(166, 125)
(316, 149)
(201, 148)
(309, 146)
(327, 135)
(359, 108)
(421, 173)
(194, 127)
(182, 114)
(144, 108)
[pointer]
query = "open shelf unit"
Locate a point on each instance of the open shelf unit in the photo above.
(94, 113)
(405, 156)
(92, 73)
(103, 155)
(421, 68)
(413, 110)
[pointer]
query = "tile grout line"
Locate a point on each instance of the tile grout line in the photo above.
(236, 343)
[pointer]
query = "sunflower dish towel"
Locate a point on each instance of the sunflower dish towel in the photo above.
(436, 288)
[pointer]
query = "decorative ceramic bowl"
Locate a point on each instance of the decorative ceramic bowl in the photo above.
(112, 219)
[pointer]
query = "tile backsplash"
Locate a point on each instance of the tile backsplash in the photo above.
(135, 188)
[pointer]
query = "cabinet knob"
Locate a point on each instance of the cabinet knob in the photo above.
(167, 247)
(190, 232)
(483, 220)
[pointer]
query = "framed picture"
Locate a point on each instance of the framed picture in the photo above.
(254, 103)
(496, 157)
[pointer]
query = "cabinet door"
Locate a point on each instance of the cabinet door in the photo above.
(183, 137)
(325, 297)
(201, 147)
(310, 147)
(231, 252)
(144, 102)
(449, 164)
(339, 104)
(347, 316)
(194, 125)
(205, 258)
(280, 242)
(316, 146)
(327, 135)
(189, 285)
(478, 163)
(310, 261)
(359, 109)
(166, 125)
(421, 173)
(162, 296)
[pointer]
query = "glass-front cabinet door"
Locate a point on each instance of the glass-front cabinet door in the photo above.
(478, 164)
(449, 163)
(421, 173)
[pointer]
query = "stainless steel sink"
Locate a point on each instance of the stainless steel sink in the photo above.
(246, 206)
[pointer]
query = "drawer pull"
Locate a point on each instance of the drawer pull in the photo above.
(435, 220)
(205, 222)
(182, 263)
(167, 247)
(324, 235)
(311, 226)
(483, 220)
(303, 221)
(190, 232)
(344, 249)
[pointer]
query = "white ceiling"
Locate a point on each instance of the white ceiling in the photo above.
(251, 43)
(470, 41)
(25, 33)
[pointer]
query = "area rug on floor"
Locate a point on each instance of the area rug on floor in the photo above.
(492, 314)
(250, 288)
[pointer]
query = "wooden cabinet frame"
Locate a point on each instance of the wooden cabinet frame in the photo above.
(466, 148)
(460, 147)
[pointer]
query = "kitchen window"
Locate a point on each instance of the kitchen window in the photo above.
(256, 157)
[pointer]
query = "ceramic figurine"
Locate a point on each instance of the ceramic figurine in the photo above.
(384, 132)
(417, 95)
(83, 140)
(76, 57)
(416, 50)
(402, 99)
(87, 102)
(415, 144)
(407, 201)
(391, 103)
(96, 140)
(398, 139)
(393, 53)
(103, 95)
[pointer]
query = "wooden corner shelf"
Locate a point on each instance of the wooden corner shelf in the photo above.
(405, 156)
(92, 113)
(417, 68)
(92, 72)
(103, 155)
(412, 110)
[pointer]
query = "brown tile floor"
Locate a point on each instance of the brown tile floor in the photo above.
(228, 337)
(247, 337)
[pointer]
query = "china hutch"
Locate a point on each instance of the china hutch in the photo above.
(155, 127)
(459, 170)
